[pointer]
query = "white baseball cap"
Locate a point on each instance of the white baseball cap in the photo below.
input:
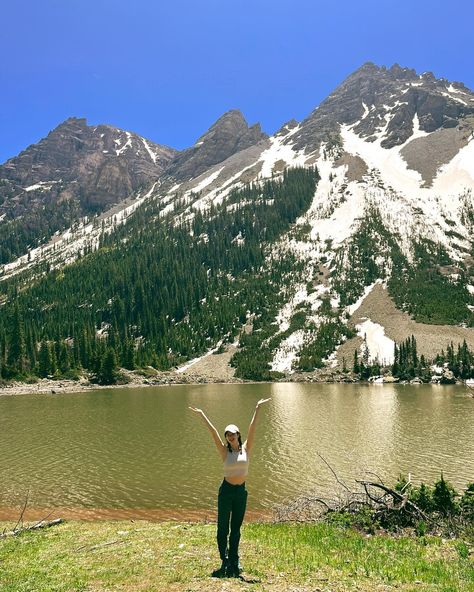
(233, 429)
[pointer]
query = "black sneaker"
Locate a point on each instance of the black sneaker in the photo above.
(234, 570)
(222, 571)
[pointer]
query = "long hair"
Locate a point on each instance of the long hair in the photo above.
(229, 447)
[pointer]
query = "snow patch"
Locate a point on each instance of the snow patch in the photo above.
(389, 162)
(40, 185)
(458, 173)
(332, 215)
(280, 151)
(149, 150)
(128, 144)
(206, 181)
(380, 346)
(287, 353)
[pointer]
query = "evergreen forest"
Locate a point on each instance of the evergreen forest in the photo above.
(155, 292)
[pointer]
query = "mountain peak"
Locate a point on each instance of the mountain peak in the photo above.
(228, 135)
(395, 72)
(232, 124)
(400, 73)
(71, 123)
(383, 103)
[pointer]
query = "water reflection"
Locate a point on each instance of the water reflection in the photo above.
(142, 448)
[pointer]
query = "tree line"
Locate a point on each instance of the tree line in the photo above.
(408, 364)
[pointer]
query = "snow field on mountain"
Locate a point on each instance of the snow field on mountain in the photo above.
(332, 215)
(389, 162)
(214, 196)
(287, 353)
(279, 151)
(149, 150)
(458, 174)
(288, 350)
(406, 196)
(64, 249)
(380, 347)
(40, 185)
(206, 181)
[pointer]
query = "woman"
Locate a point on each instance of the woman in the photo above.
(232, 499)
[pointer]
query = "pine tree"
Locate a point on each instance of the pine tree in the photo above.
(129, 361)
(108, 372)
(44, 360)
(356, 367)
(17, 348)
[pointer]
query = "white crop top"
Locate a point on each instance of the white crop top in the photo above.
(236, 464)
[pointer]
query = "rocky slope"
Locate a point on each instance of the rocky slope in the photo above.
(77, 170)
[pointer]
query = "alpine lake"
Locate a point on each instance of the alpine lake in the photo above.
(140, 453)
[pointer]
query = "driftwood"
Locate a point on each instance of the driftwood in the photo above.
(372, 494)
(392, 499)
(42, 524)
(21, 527)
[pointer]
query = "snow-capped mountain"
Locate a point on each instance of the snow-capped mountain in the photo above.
(77, 170)
(393, 153)
(387, 138)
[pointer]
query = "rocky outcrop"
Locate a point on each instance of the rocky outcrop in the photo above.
(77, 170)
(229, 134)
(383, 102)
(90, 166)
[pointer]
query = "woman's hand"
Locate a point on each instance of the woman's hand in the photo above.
(196, 410)
(262, 402)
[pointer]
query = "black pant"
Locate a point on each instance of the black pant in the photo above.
(231, 504)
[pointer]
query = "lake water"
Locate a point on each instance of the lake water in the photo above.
(142, 450)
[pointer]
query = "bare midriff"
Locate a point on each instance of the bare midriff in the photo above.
(235, 480)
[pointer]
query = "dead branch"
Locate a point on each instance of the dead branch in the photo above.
(20, 519)
(38, 525)
(341, 483)
(403, 500)
(375, 475)
(380, 499)
(19, 528)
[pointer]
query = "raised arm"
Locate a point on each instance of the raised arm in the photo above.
(221, 448)
(251, 435)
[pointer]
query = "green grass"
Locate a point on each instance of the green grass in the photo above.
(146, 556)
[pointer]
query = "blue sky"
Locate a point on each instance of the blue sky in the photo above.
(168, 70)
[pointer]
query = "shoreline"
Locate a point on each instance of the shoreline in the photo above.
(47, 386)
(202, 516)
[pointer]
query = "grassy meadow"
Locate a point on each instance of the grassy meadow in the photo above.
(131, 556)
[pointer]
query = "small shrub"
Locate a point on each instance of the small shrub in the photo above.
(462, 549)
(444, 498)
(467, 503)
(421, 528)
(423, 497)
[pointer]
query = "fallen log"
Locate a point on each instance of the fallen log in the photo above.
(43, 524)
